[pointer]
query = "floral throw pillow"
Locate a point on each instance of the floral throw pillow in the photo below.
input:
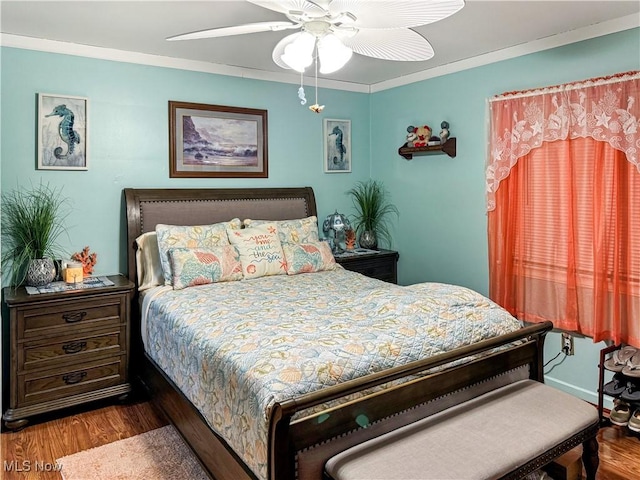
(200, 267)
(302, 230)
(308, 257)
(192, 236)
(260, 250)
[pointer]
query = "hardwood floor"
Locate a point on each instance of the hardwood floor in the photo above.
(46, 441)
(28, 452)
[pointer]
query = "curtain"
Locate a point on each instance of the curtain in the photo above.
(563, 200)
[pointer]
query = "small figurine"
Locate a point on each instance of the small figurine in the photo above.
(444, 133)
(418, 136)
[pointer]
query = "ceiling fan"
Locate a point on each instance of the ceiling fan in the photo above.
(331, 30)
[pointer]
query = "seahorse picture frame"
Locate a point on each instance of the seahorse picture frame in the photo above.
(62, 132)
(337, 145)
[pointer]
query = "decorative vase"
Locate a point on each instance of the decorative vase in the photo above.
(369, 240)
(41, 271)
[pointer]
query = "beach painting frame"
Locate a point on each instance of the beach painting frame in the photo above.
(337, 145)
(62, 132)
(217, 141)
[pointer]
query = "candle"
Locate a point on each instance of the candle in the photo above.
(73, 272)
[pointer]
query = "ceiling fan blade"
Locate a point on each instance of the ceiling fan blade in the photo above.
(395, 13)
(286, 6)
(401, 44)
(235, 30)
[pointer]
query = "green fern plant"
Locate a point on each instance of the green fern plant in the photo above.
(373, 209)
(32, 222)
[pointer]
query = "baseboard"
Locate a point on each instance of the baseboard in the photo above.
(587, 395)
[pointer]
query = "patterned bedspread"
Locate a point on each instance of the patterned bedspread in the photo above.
(235, 348)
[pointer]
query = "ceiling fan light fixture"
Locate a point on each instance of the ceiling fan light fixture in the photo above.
(333, 53)
(298, 55)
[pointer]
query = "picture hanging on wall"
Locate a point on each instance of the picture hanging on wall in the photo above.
(337, 145)
(217, 141)
(62, 132)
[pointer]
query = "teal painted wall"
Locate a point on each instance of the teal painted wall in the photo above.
(128, 137)
(441, 232)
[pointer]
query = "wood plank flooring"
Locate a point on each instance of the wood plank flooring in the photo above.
(46, 441)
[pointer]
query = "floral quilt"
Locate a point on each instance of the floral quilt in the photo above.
(236, 348)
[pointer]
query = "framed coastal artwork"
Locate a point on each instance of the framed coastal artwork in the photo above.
(217, 141)
(62, 132)
(337, 145)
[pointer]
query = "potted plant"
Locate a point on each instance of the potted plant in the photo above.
(32, 222)
(373, 209)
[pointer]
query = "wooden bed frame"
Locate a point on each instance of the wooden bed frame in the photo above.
(291, 438)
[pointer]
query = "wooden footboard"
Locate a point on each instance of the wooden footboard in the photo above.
(480, 362)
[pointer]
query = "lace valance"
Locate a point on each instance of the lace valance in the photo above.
(606, 109)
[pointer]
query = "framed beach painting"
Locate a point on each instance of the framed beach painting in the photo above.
(62, 132)
(337, 145)
(217, 141)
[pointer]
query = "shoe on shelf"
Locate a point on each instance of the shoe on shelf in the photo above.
(632, 393)
(616, 386)
(620, 414)
(632, 368)
(634, 421)
(619, 358)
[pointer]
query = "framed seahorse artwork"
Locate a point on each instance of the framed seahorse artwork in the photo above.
(62, 132)
(337, 145)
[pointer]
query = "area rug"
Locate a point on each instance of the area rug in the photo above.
(159, 454)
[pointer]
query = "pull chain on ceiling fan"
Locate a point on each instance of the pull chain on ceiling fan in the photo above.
(332, 30)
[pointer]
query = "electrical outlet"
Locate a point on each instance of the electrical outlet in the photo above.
(567, 344)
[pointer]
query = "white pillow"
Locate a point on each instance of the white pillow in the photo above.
(148, 265)
(260, 250)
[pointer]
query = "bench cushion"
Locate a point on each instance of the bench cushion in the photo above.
(483, 438)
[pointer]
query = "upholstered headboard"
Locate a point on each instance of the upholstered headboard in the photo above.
(145, 208)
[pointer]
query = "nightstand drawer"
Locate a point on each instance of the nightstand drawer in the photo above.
(53, 384)
(73, 348)
(69, 316)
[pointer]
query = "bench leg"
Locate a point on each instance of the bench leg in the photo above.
(590, 458)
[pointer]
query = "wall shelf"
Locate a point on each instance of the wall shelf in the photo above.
(448, 147)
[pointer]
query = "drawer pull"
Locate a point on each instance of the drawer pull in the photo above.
(75, 377)
(73, 317)
(74, 347)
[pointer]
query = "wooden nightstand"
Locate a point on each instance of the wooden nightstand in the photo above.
(382, 265)
(66, 348)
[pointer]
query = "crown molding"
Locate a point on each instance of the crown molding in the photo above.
(67, 48)
(566, 38)
(102, 53)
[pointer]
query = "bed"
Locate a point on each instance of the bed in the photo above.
(349, 357)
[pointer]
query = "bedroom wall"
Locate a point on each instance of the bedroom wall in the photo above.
(128, 137)
(441, 232)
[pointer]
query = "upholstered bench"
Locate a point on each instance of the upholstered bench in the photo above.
(506, 433)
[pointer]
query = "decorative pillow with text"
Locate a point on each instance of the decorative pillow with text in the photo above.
(260, 250)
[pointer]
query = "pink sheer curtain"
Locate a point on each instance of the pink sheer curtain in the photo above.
(563, 191)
